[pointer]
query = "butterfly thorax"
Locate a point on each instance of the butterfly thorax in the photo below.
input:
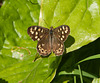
(51, 30)
(51, 35)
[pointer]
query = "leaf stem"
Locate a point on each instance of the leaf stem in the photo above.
(80, 74)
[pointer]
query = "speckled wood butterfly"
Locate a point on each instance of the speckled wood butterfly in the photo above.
(49, 40)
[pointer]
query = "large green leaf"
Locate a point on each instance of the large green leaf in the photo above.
(42, 70)
(82, 16)
(17, 50)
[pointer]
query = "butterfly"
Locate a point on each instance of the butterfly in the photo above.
(49, 39)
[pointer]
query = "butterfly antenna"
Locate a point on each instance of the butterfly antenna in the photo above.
(45, 22)
(56, 22)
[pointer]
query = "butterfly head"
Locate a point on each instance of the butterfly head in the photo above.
(51, 28)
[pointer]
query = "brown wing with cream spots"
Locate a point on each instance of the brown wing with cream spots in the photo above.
(58, 46)
(62, 32)
(37, 32)
(44, 45)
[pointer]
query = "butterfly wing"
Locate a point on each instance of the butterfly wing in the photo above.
(37, 32)
(57, 46)
(44, 40)
(60, 34)
(44, 45)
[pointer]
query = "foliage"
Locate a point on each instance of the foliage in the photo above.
(18, 51)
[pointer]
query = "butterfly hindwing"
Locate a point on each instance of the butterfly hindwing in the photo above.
(37, 32)
(44, 45)
(62, 32)
(58, 47)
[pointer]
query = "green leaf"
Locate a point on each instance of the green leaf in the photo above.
(96, 80)
(42, 70)
(82, 16)
(16, 17)
(90, 58)
(76, 72)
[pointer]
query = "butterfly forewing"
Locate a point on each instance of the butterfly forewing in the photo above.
(62, 32)
(37, 32)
